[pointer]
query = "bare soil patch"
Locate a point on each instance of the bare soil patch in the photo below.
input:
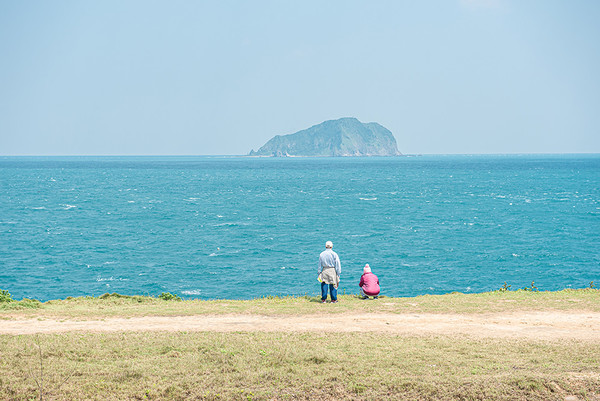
(542, 325)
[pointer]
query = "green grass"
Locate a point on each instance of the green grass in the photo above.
(264, 366)
(296, 366)
(128, 306)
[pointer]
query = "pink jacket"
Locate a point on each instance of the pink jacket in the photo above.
(369, 284)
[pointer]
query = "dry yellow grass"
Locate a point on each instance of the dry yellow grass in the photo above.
(295, 365)
(264, 366)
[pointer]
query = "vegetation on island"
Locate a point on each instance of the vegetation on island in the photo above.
(342, 137)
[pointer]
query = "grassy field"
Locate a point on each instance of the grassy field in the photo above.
(262, 366)
(296, 366)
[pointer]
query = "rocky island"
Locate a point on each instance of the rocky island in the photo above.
(343, 137)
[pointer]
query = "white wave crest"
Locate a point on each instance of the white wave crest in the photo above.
(111, 278)
(192, 292)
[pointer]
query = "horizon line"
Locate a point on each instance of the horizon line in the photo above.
(341, 157)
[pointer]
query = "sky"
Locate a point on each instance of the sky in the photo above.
(222, 77)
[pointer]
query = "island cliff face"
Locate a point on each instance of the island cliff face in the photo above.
(343, 137)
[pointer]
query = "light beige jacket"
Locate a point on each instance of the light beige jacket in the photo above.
(329, 276)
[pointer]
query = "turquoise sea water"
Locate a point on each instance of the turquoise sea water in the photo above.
(218, 227)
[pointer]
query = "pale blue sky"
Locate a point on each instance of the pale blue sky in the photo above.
(222, 77)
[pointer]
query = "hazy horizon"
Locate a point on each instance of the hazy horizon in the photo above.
(221, 78)
(293, 156)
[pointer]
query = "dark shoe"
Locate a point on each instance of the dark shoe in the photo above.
(376, 296)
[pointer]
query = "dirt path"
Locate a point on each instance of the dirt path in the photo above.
(528, 325)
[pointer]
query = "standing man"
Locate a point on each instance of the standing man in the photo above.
(329, 272)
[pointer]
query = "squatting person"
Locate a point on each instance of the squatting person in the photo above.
(369, 283)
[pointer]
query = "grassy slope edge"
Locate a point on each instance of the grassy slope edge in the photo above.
(109, 305)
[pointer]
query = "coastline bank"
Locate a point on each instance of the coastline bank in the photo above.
(113, 304)
(502, 345)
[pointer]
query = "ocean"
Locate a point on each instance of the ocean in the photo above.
(240, 228)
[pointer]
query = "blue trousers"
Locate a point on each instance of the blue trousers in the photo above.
(332, 290)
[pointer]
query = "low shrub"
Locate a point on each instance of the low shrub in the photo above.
(5, 296)
(167, 296)
(113, 295)
(30, 303)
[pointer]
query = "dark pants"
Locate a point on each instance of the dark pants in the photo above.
(332, 290)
